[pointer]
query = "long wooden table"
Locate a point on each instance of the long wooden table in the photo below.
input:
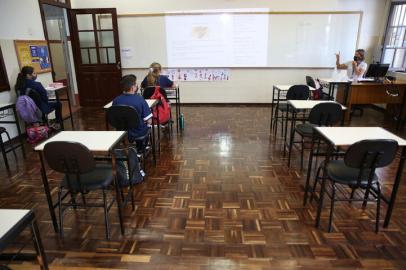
(372, 93)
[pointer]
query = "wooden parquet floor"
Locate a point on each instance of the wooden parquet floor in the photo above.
(220, 197)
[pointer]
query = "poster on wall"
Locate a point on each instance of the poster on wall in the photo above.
(33, 53)
(197, 74)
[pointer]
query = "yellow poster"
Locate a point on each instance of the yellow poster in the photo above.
(33, 53)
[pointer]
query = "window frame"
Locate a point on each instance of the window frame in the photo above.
(388, 35)
(4, 84)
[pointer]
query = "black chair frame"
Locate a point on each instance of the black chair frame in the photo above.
(366, 156)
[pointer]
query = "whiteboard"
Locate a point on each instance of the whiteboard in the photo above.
(294, 40)
(217, 40)
(311, 40)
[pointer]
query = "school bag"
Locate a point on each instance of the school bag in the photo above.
(37, 133)
(128, 171)
(28, 110)
(163, 107)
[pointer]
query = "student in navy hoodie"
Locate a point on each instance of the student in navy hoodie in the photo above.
(27, 80)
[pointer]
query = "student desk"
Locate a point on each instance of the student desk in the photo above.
(8, 110)
(13, 222)
(98, 142)
(151, 104)
(334, 84)
(280, 90)
(346, 136)
(57, 91)
(301, 105)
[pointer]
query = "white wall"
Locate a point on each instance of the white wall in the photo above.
(19, 19)
(253, 85)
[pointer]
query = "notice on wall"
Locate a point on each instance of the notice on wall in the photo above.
(197, 74)
(33, 53)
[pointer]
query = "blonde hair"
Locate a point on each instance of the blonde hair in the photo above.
(153, 74)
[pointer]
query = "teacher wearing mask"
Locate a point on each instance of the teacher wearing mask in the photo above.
(356, 68)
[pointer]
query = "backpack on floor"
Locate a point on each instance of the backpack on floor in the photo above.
(128, 170)
(163, 107)
(37, 133)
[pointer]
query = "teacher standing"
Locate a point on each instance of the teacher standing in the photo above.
(355, 68)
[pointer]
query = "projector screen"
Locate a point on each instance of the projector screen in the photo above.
(217, 40)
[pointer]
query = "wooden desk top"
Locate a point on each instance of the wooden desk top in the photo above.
(397, 82)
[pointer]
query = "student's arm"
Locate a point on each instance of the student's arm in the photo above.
(166, 82)
(338, 65)
(146, 114)
(144, 83)
(41, 91)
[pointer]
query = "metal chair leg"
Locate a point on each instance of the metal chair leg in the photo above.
(302, 154)
(106, 217)
(3, 151)
(292, 137)
(333, 197)
(60, 212)
(316, 179)
(14, 151)
(378, 207)
(366, 196)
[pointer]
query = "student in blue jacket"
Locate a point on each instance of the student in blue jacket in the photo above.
(27, 79)
(129, 97)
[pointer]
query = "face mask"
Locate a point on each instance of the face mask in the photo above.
(34, 77)
(356, 58)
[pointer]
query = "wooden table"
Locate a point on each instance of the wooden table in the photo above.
(352, 93)
(100, 142)
(4, 112)
(346, 136)
(57, 91)
(13, 222)
(151, 104)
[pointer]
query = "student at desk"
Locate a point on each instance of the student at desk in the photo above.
(154, 78)
(27, 80)
(129, 97)
(355, 68)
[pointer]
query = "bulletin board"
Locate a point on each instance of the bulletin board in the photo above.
(33, 53)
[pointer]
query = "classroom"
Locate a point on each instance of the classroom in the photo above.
(227, 134)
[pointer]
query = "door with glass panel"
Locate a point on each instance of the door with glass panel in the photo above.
(96, 50)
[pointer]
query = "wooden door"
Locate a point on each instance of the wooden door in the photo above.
(96, 50)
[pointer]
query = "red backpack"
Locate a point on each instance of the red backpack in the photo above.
(163, 107)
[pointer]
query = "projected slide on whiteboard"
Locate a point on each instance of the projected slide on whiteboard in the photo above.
(217, 40)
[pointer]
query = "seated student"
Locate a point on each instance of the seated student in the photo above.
(130, 97)
(26, 80)
(154, 78)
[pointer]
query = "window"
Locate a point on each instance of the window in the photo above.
(59, 3)
(4, 85)
(394, 50)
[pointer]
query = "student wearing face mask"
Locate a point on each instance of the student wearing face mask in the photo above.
(356, 68)
(27, 80)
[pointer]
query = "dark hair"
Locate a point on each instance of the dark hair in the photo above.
(20, 83)
(361, 52)
(127, 82)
